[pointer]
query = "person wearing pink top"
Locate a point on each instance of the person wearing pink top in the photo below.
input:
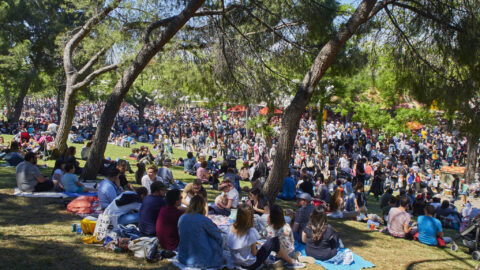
(202, 172)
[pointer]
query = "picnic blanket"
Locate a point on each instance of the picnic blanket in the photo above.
(52, 194)
(175, 262)
(358, 262)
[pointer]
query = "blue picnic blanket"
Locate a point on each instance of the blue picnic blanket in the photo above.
(358, 262)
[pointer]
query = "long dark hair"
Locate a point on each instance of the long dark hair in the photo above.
(318, 223)
(277, 219)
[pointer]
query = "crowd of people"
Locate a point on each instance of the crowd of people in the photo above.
(327, 176)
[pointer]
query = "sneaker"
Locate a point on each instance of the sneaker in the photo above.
(276, 264)
(306, 259)
(296, 265)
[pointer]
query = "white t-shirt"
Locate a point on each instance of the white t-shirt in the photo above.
(240, 247)
(232, 195)
(146, 182)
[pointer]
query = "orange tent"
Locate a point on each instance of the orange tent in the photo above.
(264, 111)
(237, 108)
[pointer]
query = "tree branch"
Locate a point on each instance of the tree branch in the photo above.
(91, 62)
(426, 15)
(94, 75)
(166, 21)
(81, 34)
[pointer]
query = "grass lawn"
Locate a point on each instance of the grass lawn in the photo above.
(35, 233)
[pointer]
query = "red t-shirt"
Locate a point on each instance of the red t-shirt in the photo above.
(167, 227)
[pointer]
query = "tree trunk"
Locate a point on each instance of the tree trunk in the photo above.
(319, 120)
(148, 51)
(294, 111)
(58, 111)
(66, 121)
(141, 113)
(17, 108)
(471, 158)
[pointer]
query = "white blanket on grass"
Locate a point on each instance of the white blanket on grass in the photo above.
(48, 194)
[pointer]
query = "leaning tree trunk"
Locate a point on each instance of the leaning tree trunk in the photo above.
(148, 51)
(294, 111)
(66, 121)
(471, 158)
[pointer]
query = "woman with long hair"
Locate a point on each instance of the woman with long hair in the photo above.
(320, 238)
(201, 241)
(242, 240)
(337, 203)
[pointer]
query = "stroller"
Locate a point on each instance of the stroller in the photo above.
(470, 237)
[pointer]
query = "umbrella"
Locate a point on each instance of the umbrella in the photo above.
(414, 125)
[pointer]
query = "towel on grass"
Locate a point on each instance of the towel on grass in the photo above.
(358, 262)
(52, 194)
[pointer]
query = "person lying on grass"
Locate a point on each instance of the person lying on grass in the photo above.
(242, 240)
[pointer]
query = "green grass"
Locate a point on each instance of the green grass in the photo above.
(35, 233)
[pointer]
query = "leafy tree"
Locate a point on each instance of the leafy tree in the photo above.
(437, 57)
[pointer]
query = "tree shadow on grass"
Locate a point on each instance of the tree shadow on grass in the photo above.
(412, 265)
(22, 252)
(32, 211)
(350, 235)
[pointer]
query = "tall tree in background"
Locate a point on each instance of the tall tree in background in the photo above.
(27, 47)
(438, 59)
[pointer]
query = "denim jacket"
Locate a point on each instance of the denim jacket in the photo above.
(200, 242)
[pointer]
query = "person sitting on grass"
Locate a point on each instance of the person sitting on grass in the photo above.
(227, 200)
(337, 203)
(192, 189)
(29, 178)
(70, 181)
(450, 217)
(189, 163)
(167, 221)
(360, 200)
(321, 240)
(242, 240)
(151, 177)
(302, 215)
(151, 206)
(288, 189)
(429, 228)
(385, 210)
(14, 155)
(125, 207)
(277, 227)
(109, 188)
(399, 220)
(201, 241)
(203, 174)
(257, 201)
(386, 197)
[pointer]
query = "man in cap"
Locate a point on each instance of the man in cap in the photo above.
(303, 214)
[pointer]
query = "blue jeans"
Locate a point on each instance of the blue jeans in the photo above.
(129, 218)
